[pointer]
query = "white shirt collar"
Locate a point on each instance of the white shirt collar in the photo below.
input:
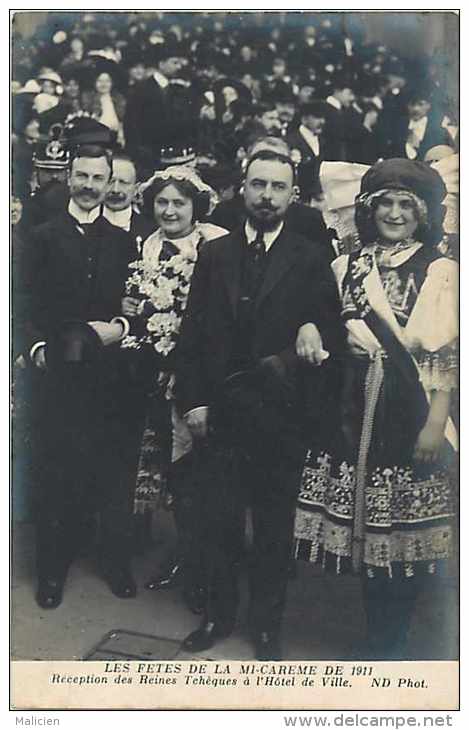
(119, 218)
(334, 102)
(83, 216)
(269, 236)
(160, 79)
(312, 140)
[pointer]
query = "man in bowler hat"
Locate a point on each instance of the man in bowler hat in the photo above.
(251, 290)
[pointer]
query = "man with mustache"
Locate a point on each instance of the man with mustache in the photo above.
(118, 204)
(250, 291)
(84, 403)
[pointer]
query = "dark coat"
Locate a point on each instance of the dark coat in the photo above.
(434, 135)
(335, 149)
(140, 228)
(69, 275)
(298, 287)
(366, 147)
(308, 168)
(157, 118)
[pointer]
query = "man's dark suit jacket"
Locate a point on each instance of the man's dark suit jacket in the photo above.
(68, 275)
(300, 219)
(157, 118)
(298, 287)
(308, 169)
(140, 228)
(335, 148)
(146, 121)
(434, 135)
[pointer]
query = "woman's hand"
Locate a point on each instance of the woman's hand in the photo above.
(309, 345)
(130, 306)
(429, 443)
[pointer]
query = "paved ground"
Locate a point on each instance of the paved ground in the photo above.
(324, 617)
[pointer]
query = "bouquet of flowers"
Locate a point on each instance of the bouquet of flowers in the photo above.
(163, 288)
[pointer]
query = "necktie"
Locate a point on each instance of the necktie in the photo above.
(255, 264)
(258, 249)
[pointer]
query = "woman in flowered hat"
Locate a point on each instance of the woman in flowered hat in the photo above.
(377, 498)
(156, 296)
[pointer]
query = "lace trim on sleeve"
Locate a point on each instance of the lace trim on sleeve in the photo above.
(439, 370)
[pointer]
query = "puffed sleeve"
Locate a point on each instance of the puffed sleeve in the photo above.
(432, 329)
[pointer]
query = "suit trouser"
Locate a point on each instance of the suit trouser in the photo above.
(268, 484)
(88, 433)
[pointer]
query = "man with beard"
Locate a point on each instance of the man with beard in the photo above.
(299, 218)
(72, 277)
(250, 291)
(118, 204)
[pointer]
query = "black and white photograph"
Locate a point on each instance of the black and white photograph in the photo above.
(234, 366)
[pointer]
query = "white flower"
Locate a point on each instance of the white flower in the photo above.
(163, 323)
(162, 296)
(130, 342)
(164, 345)
(182, 265)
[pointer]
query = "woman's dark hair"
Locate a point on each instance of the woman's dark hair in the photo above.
(429, 233)
(200, 200)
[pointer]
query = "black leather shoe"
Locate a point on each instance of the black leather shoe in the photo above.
(267, 647)
(205, 637)
(196, 599)
(49, 592)
(168, 579)
(121, 582)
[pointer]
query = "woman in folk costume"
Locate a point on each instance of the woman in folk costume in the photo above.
(377, 498)
(157, 291)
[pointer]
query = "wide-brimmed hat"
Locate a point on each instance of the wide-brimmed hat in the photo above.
(255, 406)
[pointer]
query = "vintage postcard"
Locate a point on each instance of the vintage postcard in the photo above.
(235, 372)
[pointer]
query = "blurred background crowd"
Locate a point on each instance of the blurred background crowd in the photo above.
(200, 88)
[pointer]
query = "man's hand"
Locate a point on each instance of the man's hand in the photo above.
(309, 345)
(39, 358)
(197, 422)
(108, 332)
(130, 306)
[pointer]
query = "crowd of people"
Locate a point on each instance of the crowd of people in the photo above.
(189, 330)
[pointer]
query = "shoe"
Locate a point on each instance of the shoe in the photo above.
(49, 592)
(196, 599)
(205, 637)
(121, 582)
(267, 647)
(168, 579)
